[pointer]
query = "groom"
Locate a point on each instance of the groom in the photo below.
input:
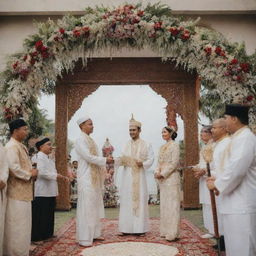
(137, 157)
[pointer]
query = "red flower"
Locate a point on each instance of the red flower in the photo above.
(45, 55)
(15, 65)
(218, 50)
(140, 13)
(6, 110)
(23, 74)
(56, 38)
(208, 51)
(245, 67)
(39, 44)
(185, 35)
(44, 49)
(32, 61)
(249, 98)
(174, 31)
(33, 54)
(129, 7)
(234, 62)
(76, 33)
(62, 30)
(136, 20)
(239, 78)
(153, 35)
(223, 54)
(158, 25)
(86, 29)
(25, 57)
(8, 116)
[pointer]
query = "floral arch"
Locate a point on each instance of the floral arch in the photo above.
(223, 67)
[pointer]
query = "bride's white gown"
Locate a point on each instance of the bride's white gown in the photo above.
(169, 190)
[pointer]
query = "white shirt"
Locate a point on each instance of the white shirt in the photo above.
(4, 171)
(220, 156)
(237, 184)
(204, 195)
(46, 183)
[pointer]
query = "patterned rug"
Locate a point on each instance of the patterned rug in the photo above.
(189, 244)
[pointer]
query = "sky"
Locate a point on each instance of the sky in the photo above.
(110, 108)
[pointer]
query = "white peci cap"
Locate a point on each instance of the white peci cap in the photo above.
(82, 119)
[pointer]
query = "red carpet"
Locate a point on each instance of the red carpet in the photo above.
(190, 243)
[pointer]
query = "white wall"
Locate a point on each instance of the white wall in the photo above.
(235, 26)
(21, 6)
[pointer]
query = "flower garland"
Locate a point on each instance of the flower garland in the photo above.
(57, 46)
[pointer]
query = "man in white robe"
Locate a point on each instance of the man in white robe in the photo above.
(222, 140)
(4, 173)
(237, 185)
(137, 157)
(201, 174)
(17, 232)
(90, 180)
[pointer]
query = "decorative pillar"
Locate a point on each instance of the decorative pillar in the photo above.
(190, 111)
(171, 116)
(61, 122)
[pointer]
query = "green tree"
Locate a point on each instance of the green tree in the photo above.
(210, 103)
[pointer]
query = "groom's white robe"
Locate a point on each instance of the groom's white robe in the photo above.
(90, 208)
(128, 222)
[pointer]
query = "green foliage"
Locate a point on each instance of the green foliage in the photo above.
(39, 124)
(210, 104)
(158, 10)
(30, 41)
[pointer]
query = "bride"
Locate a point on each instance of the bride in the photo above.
(168, 179)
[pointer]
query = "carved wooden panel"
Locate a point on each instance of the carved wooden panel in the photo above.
(173, 93)
(127, 71)
(191, 187)
(76, 94)
(178, 87)
(61, 122)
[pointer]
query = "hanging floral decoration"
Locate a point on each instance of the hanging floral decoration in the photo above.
(57, 46)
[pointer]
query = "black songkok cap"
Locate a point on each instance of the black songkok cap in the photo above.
(238, 110)
(15, 124)
(41, 142)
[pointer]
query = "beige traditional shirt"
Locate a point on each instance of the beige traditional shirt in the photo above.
(19, 183)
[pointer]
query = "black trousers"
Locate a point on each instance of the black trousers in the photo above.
(42, 218)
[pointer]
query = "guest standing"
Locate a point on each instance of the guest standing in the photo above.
(236, 185)
(90, 173)
(46, 190)
(18, 217)
(200, 172)
(169, 182)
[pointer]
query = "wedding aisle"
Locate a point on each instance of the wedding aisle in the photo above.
(190, 243)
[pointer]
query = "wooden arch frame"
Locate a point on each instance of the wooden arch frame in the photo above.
(179, 88)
